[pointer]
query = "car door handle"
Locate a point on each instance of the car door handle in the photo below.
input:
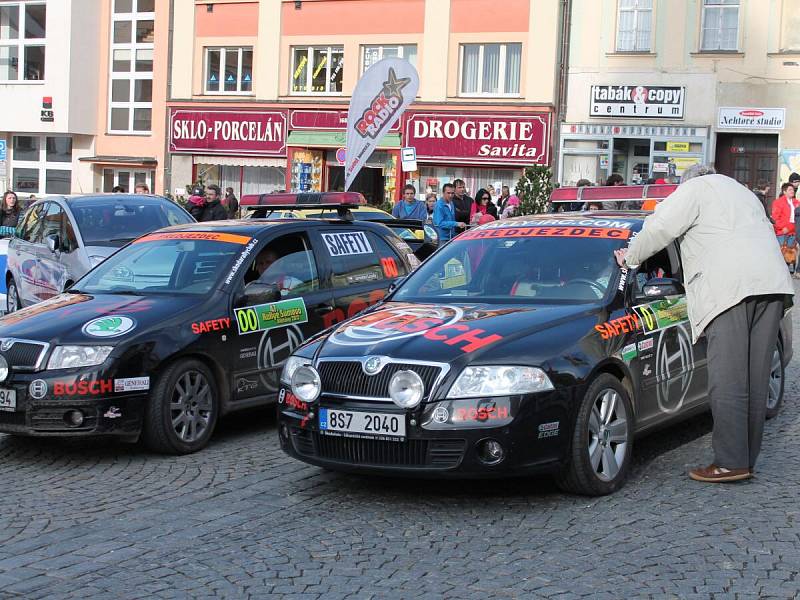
(324, 309)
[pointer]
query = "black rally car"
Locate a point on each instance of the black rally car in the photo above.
(186, 324)
(519, 347)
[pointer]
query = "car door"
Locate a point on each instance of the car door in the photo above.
(22, 259)
(52, 267)
(666, 363)
(266, 334)
(362, 266)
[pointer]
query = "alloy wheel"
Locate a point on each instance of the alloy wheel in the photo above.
(191, 406)
(608, 434)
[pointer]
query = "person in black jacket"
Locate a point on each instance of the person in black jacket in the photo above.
(231, 203)
(462, 202)
(213, 211)
(10, 210)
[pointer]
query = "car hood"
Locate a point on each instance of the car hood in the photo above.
(442, 333)
(73, 318)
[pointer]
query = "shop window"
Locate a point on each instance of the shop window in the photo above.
(490, 69)
(307, 171)
(127, 179)
(317, 69)
(41, 164)
(634, 24)
(720, 28)
(372, 54)
(229, 70)
(131, 76)
(22, 41)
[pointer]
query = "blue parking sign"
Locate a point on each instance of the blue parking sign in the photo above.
(2, 149)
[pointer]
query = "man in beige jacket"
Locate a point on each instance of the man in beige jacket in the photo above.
(737, 287)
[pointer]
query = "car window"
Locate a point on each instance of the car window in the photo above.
(112, 222)
(53, 221)
(515, 268)
(288, 262)
(354, 258)
(162, 265)
(657, 265)
(31, 227)
(391, 264)
(70, 239)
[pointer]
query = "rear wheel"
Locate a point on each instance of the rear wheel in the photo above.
(183, 409)
(602, 440)
(13, 302)
(776, 382)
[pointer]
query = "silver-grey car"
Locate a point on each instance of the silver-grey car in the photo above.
(60, 238)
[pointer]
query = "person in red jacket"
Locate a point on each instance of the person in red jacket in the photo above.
(783, 217)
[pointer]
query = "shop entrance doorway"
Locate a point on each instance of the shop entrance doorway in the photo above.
(369, 182)
(752, 160)
(632, 159)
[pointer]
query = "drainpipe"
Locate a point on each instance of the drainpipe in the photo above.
(167, 160)
(563, 79)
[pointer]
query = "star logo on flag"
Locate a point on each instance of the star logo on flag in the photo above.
(393, 86)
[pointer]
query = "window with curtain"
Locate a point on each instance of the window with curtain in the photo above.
(372, 54)
(490, 69)
(634, 25)
(720, 29)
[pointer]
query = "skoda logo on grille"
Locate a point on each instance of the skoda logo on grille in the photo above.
(5, 345)
(3, 369)
(372, 365)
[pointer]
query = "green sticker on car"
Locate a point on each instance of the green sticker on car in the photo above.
(629, 352)
(263, 317)
(662, 314)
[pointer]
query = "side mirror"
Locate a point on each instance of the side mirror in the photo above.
(53, 243)
(658, 288)
(256, 292)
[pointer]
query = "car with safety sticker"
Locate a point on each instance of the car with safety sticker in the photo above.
(518, 348)
(186, 324)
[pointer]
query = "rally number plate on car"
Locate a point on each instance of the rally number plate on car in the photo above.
(8, 400)
(348, 422)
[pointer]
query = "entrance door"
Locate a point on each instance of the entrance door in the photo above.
(751, 160)
(369, 182)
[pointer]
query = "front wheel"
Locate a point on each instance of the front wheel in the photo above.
(776, 383)
(13, 302)
(602, 440)
(183, 409)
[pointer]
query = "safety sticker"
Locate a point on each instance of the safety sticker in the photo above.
(347, 243)
(269, 316)
(210, 236)
(565, 232)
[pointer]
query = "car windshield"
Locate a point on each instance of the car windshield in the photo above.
(109, 221)
(163, 263)
(519, 265)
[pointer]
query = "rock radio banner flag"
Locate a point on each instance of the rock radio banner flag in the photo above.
(381, 95)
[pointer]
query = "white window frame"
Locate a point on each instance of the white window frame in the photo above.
(223, 51)
(501, 71)
(706, 4)
(639, 14)
(131, 75)
(309, 71)
(132, 171)
(41, 165)
(22, 42)
(401, 51)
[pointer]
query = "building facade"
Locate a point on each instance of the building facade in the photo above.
(259, 91)
(654, 86)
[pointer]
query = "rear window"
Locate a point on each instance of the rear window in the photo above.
(108, 221)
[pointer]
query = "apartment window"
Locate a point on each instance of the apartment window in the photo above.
(490, 69)
(41, 164)
(720, 30)
(634, 23)
(372, 54)
(229, 70)
(790, 21)
(317, 69)
(22, 41)
(131, 79)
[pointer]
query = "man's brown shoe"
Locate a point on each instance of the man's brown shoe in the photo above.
(714, 474)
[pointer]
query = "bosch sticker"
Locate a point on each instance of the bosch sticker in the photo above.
(347, 243)
(268, 316)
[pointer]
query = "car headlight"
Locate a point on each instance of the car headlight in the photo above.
(499, 381)
(306, 383)
(290, 366)
(69, 357)
(406, 389)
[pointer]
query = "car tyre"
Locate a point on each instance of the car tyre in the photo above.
(13, 302)
(602, 440)
(183, 409)
(777, 377)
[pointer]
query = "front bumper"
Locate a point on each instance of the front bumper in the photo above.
(535, 439)
(104, 414)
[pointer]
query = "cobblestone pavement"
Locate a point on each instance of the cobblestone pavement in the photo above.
(92, 520)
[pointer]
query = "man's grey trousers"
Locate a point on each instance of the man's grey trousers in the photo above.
(741, 342)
